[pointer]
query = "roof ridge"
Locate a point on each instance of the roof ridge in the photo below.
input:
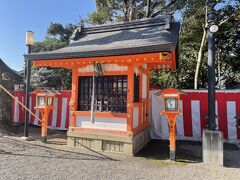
(132, 23)
(163, 20)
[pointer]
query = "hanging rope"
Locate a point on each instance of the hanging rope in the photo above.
(97, 71)
(93, 95)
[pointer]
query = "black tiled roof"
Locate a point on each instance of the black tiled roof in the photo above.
(12, 73)
(141, 36)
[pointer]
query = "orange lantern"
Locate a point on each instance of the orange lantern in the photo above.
(171, 109)
(44, 102)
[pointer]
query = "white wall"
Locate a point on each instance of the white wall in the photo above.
(106, 123)
(135, 117)
(106, 68)
(144, 86)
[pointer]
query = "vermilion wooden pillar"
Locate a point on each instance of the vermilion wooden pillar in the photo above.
(130, 98)
(74, 97)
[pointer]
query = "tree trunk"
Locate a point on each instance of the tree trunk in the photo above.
(200, 52)
(132, 10)
(200, 58)
(148, 8)
(126, 11)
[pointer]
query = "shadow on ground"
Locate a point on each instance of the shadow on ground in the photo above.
(25, 149)
(54, 148)
(231, 156)
(187, 152)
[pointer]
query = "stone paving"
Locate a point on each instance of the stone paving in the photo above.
(22, 159)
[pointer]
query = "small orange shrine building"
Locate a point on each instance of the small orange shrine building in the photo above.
(127, 52)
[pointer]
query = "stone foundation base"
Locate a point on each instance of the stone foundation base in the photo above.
(212, 146)
(109, 142)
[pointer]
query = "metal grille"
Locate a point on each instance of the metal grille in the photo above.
(110, 93)
(136, 88)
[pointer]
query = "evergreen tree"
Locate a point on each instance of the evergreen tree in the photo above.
(192, 61)
(58, 36)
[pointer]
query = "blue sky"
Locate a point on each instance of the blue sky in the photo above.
(19, 16)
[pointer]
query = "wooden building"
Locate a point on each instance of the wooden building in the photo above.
(8, 78)
(126, 53)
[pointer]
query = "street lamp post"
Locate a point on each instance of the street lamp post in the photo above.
(212, 139)
(29, 44)
(213, 28)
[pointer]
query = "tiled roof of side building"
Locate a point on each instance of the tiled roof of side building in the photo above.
(12, 73)
(157, 34)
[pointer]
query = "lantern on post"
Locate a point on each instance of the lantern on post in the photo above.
(44, 102)
(171, 109)
(27, 76)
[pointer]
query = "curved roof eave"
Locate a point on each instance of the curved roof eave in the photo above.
(138, 40)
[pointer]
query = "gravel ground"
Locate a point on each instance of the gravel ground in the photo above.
(20, 159)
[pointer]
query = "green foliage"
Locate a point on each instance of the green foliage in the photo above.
(103, 13)
(100, 17)
(128, 10)
(49, 44)
(164, 78)
(228, 46)
(191, 13)
(58, 78)
(63, 33)
(193, 23)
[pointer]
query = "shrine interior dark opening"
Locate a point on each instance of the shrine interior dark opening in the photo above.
(110, 93)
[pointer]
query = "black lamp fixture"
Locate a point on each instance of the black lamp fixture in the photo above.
(213, 28)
